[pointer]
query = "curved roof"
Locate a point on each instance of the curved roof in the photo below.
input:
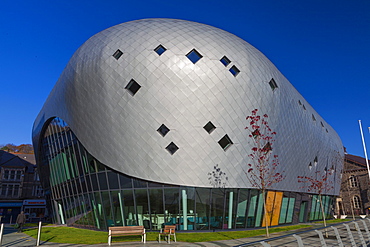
(119, 88)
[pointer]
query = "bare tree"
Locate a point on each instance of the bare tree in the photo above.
(263, 172)
(318, 183)
(217, 178)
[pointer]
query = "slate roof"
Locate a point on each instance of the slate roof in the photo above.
(14, 160)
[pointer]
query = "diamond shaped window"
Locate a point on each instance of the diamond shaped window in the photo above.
(160, 50)
(117, 54)
(234, 70)
(267, 148)
(209, 127)
(172, 148)
(194, 56)
(163, 130)
(225, 142)
(225, 61)
(273, 84)
(133, 87)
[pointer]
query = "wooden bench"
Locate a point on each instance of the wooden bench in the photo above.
(168, 231)
(126, 230)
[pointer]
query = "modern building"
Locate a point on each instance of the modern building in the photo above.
(354, 194)
(20, 187)
(146, 126)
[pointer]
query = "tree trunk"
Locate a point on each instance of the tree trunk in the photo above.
(323, 216)
(265, 211)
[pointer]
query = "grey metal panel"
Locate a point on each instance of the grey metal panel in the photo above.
(120, 130)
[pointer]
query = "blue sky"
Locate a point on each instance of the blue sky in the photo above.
(322, 48)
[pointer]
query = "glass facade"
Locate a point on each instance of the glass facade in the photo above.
(83, 192)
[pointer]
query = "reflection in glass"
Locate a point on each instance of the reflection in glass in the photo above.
(84, 192)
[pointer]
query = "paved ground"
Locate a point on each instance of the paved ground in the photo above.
(309, 238)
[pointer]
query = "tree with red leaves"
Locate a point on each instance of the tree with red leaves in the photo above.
(317, 184)
(263, 172)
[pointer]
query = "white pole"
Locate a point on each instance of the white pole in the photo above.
(231, 195)
(39, 234)
(363, 143)
(1, 233)
(185, 209)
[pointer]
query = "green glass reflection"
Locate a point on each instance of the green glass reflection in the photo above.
(202, 208)
(241, 210)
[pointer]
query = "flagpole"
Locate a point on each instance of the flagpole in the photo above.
(363, 144)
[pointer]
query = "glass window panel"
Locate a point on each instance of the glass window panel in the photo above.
(171, 205)
(230, 208)
(107, 208)
(99, 166)
(94, 182)
(155, 185)
(283, 210)
(16, 190)
(12, 175)
(129, 208)
(289, 217)
(6, 174)
(142, 208)
(156, 209)
(117, 208)
(83, 184)
(98, 208)
(241, 210)
(102, 181)
(125, 182)
(255, 209)
(217, 208)
(187, 214)
(113, 180)
(10, 190)
(3, 189)
(194, 56)
(18, 175)
(139, 183)
(202, 198)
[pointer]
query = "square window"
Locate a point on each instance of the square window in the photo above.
(194, 56)
(313, 118)
(304, 108)
(209, 127)
(299, 102)
(172, 148)
(133, 87)
(256, 133)
(267, 148)
(117, 54)
(163, 130)
(160, 49)
(273, 84)
(225, 61)
(225, 142)
(234, 70)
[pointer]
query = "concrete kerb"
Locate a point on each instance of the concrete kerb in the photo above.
(11, 238)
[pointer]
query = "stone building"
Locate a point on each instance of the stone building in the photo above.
(20, 187)
(354, 194)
